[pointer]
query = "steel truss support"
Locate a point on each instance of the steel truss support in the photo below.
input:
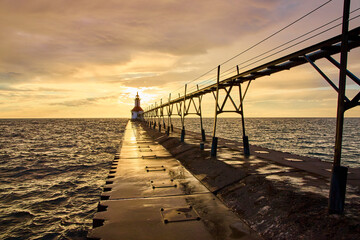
(179, 111)
(214, 138)
(161, 116)
(155, 115)
(151, 113)
(169, 109)
(238, 108)
(342, 44)
(355, 101)
(339, 173)
(191, 101)
(182, 139)
(203, 138)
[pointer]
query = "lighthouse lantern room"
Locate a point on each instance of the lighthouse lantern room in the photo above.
(137, 111)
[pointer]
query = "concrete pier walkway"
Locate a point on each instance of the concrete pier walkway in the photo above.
(150, 195)
(279, 195)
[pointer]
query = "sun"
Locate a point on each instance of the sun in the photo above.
(147, 95)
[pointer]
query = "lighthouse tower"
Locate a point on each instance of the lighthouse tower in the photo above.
(137, 111)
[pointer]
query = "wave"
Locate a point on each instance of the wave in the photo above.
(53, 169)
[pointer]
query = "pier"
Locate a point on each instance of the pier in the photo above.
(159, 115)
(150, 195)
(169, 183)
(161, 187)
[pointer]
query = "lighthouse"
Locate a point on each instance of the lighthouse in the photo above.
(137, 112)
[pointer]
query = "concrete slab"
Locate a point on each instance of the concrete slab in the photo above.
(143, 219)
(150, 195)
(149, 180)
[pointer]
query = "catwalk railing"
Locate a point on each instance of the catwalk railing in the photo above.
(190, 102)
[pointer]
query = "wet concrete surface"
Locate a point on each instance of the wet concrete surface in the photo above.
(150, 195)
(280, 195)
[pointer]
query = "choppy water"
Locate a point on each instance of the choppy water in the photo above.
(313, 137)
(51, 175)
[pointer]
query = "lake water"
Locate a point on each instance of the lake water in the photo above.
(313, 137)
(51, 175)
(52, 170)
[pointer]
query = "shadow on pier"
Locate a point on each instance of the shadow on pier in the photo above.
(279, 195)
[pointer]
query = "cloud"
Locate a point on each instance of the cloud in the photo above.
(81, 102)
(52, 38)
(10, 77)
(84, 54)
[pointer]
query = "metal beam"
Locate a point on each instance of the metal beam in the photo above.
(348, 73)
(324, 75)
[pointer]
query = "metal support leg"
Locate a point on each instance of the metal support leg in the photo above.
(169, 112)
(214, 146)
(182, 139)
(203, 135)
(215, 139)
(203, 139)
(339, 174)
(246, 146)
(245, 138)
(161, 114)
(338, 190)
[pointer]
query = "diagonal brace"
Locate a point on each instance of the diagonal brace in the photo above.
(324, 75)
(353, 103)
(348, 73)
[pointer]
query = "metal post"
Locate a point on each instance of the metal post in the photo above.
(201, 121)
(163, 117)
(339, 173)
(160, 114)
(183, 118)
(145, 117)
(155, 115)
(245, 138)
(215, 139)
(169, 116)
(151, 115)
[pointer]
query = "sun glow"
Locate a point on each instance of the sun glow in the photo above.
(147, 94)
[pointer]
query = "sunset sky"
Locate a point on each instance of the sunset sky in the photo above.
(88, 58)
